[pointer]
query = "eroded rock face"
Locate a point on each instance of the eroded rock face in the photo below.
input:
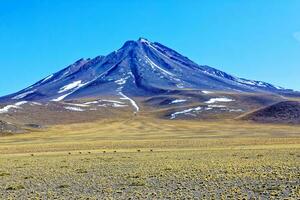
(7, 128)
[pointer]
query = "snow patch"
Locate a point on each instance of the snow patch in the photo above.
(278, 87)
(236, 110)
(21, 103)
(215, 100)
(77, 104)
(20, 96)
(144, 41)
(247, 82)
(180, 85)
(75, 84)
(116, 105)
(61, 97)
(112, 101)
(8, 107)
(217, 106)
(74, 109)
(173, 116)
(121, 81)
(35, 103)
(102, 105)
(91, 102)
(178, 101)
(207, 92)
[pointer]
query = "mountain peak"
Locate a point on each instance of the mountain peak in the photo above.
(139, 68)
(143, 40)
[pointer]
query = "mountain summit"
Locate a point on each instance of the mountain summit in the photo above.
(138, 68)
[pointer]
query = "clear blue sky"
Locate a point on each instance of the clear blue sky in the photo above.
(257, 39)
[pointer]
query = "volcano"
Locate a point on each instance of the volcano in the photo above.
(139, 68)
(141, 76)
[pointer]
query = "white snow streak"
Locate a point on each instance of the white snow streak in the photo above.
(178, 101)
(21, 103)
(47, 78)
(116, 105)
(173, 116)
(134, 104)
(153, 65)
(91, 102)
(77, 104)
(61, 97)
(20, 96)
(112, 101)
(217, 106)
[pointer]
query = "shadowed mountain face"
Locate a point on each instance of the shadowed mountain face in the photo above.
(138, 69)
(282, 112)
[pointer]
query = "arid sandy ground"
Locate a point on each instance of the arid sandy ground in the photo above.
(152, 159)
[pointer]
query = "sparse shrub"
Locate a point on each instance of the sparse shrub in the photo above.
(137, 183)
(168, 169)
(63, 186)
(134, 176)
(15, 187)
(81, 171)
(138, 150)
(4, 174)
(28, 177)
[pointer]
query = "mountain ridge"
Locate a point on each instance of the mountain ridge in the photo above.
(138, 68)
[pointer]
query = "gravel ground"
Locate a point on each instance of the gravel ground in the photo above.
(184, 174)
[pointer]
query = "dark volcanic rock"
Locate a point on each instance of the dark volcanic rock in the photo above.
(283, 112)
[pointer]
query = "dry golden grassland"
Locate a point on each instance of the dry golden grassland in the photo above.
(152, 159)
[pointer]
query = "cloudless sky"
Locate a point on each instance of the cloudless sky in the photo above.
(257, 39)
